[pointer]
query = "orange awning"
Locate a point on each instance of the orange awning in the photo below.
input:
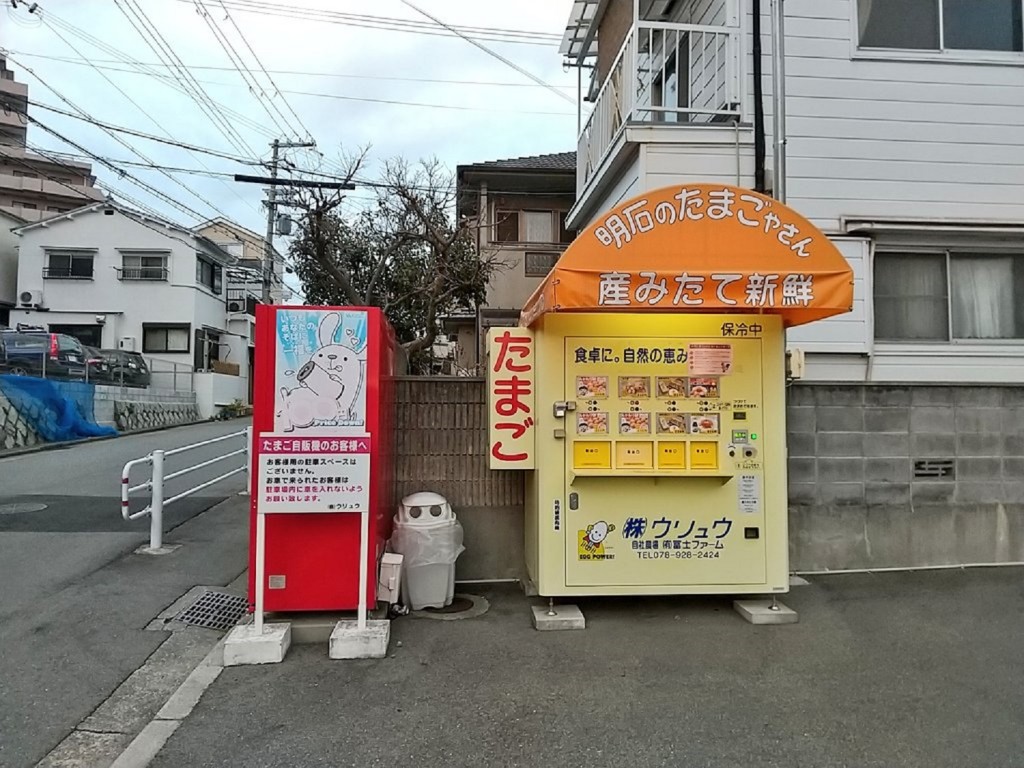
(699, 248)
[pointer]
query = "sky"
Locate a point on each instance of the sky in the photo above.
(494, 112)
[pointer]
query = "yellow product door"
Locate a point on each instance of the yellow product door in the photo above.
(664, 477)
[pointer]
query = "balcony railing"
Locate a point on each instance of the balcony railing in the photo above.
(68, 273)
(142, 273)
(664, 74)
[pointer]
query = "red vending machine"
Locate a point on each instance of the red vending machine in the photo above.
(322, 428)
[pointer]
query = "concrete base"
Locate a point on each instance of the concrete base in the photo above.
(244, 646)
(315, 628)
(566, 617)
(350, 642)
(760, 612)
(166, 549)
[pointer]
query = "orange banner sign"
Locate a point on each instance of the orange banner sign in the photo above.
(511, 387)
(699, 248)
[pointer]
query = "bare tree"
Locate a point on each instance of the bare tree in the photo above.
(407, 254)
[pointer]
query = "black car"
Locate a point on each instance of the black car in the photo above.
(38, 353)
(127, 368)
(97, 365)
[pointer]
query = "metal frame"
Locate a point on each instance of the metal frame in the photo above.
(155, 484)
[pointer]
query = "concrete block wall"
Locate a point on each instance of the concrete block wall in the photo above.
(856, 500)
(129, 408)
(15, 432)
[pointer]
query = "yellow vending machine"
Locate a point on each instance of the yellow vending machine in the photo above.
(644, 395)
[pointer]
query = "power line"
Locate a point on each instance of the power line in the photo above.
(100, 64)
(165, 52)
(393, 24)
(239, 65)
(142, 135)
(173, 82)
(113, 135)
(152, 119)
(492, 52)
(259, 62)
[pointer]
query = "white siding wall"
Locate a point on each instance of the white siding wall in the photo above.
(8, 260)
(851, 332)
(710, 156)
(925, 139)
(127, 304)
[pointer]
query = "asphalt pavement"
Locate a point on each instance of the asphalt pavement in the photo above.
(896, 670)
(75, 599)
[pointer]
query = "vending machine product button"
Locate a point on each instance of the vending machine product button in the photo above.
(703, 455)
(671, 455)
(633, 454)
(587, 454)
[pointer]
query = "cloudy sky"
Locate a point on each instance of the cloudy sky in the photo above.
(351, 81)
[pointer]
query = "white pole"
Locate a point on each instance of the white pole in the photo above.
(248, 462)
(779, 97)
(364, 560)
(156, 511)
(261, 542)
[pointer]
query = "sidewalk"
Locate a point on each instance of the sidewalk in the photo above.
(921, 669)
(66, 651)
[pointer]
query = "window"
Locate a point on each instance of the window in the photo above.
(91, 335)
(207, 349)
(968, 25)
(537, 227)
(29, 206)
(170, 337)
(530, 227)
(948, 296)
(25, 174)
(209, 274)
(72, 265)
(539, 264)
(143, 266)
(506, 226)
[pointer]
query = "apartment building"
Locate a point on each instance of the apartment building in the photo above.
(904, 143)
(33, 187)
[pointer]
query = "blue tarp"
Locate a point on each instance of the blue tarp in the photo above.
(57, 411)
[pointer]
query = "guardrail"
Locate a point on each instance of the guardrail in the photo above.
(155, 484)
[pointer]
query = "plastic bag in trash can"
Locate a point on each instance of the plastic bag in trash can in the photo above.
(433, 545)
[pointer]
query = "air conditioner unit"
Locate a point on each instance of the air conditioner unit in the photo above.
(126, 344)
(236, 306)
(31, 298)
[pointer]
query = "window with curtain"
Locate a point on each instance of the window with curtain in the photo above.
(966, 25)
(537, 227)
(951, 295)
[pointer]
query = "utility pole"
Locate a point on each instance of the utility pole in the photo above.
(274, 182)
(268, 241)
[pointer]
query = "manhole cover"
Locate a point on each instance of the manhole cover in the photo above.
(458, 605)
(20, 508)
(214, 610)
(462, 607)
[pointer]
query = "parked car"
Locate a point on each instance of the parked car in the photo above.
(38, 353)
(98, 367)
(128, 368)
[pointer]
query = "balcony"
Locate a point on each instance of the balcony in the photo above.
(76, 272)
(665, 74)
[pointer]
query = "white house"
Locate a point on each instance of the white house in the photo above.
(905, 144)
(118, 279)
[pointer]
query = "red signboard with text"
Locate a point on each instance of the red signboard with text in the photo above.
(322, 426)
(511, 387)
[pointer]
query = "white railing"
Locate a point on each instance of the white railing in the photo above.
(664, 74)
(155, 484)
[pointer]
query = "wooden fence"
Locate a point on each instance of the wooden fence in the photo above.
(441, 443)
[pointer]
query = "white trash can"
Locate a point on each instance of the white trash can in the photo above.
(429, 538)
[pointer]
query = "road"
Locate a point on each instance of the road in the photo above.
(74, 601)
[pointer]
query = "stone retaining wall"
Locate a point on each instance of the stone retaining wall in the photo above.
(15, 432)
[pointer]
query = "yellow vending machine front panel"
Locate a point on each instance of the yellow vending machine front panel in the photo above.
(684, 418)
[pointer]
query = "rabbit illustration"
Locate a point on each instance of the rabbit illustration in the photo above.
(329, 383)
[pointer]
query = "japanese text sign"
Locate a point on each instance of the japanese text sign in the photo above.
(511, 387)
(300, 474)
(700, 248)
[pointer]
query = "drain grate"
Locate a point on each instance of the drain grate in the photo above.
(458, 604)
(214, 610)
(20, 508)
